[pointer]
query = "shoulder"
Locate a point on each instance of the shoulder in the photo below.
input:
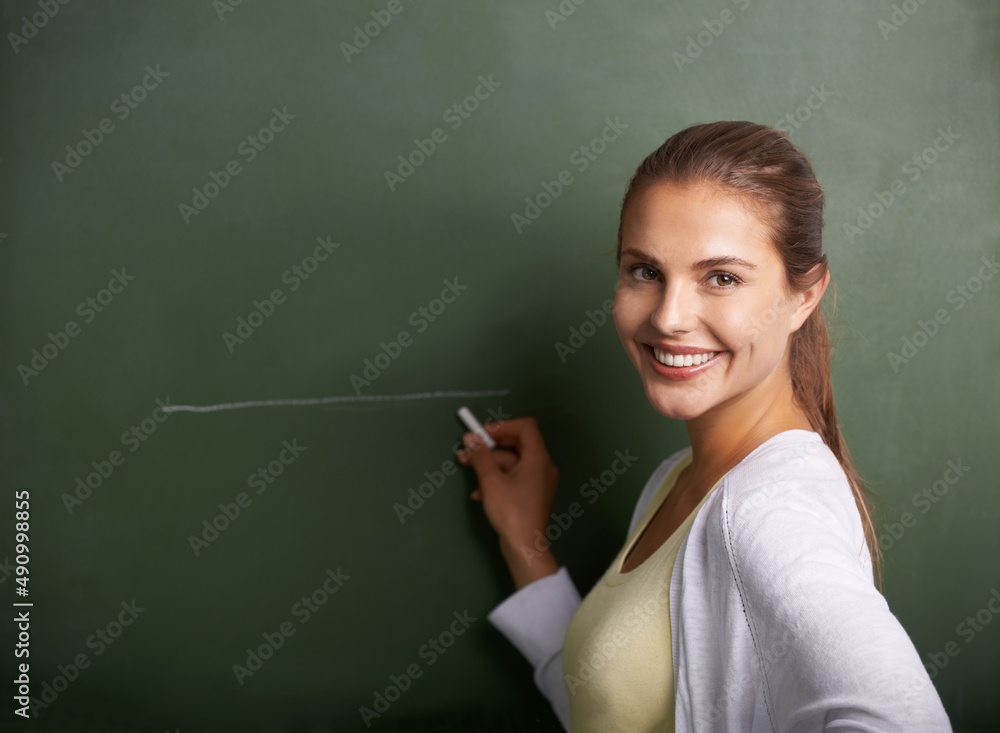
(793, 470)
(789, 499)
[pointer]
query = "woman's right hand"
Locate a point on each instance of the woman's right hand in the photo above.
(517, 491)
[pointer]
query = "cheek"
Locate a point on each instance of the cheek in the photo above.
(625, 316)
(753, 329)
(763, 333)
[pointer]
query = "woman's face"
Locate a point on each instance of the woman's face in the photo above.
(700, 286)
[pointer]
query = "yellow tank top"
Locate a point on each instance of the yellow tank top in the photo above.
(617, 658)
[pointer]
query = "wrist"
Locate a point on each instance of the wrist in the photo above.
(527, 563)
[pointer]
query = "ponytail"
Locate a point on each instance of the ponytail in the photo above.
(809, 363)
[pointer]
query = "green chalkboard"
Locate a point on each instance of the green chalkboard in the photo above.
(331, 224)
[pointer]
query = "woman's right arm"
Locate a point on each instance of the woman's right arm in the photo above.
(517, 491)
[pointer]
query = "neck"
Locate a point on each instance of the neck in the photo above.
(724, 436)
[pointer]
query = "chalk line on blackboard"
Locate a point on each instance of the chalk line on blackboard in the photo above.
(335, 400)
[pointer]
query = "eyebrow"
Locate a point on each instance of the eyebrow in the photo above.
(701, 265)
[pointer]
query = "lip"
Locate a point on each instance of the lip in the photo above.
(681, 373)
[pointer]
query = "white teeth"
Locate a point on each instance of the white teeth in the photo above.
(687, 360)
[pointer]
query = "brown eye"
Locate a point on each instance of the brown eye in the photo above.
(643, 270)
(725, 280)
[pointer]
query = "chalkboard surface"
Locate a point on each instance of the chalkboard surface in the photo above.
(329, 225)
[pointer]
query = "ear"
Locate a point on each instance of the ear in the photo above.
(806, 301)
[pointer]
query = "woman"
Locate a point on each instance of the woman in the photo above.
(744, 598)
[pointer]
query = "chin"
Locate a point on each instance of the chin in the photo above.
(673, 408)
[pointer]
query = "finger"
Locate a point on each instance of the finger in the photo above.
(506, 428)
(481, 458)
(493, 428)
(521, 433)
(469, 440)
(506, 459)
(507, 441)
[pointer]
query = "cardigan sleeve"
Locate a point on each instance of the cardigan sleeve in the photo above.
(833, 655)
(535, 619)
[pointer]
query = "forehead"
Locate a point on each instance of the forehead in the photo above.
(695, 221)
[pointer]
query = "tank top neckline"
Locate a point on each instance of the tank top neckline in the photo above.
(616, 576)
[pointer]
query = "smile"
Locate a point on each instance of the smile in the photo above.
(681, 367)
(682, 360)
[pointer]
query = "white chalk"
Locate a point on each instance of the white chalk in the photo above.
(474, 425)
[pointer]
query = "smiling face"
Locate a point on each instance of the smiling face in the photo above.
(702, 307)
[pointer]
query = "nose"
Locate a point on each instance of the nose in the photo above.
(676, 310)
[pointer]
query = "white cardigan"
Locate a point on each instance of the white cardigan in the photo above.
(776, 621)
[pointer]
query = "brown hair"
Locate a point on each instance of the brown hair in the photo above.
(773, 178)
